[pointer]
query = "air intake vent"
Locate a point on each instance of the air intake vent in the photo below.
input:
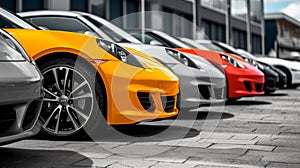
(146, 101)
(7, 118)
(168, 103)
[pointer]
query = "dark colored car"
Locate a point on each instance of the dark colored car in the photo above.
(282, 81)
(21, 91)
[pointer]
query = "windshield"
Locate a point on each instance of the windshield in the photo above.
(227, 48)
(9, 20)
(114, 32)
(175, 42)
(212, 46)
(193, 44)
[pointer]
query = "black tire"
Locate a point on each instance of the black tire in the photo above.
(88, 112)
(288, 75)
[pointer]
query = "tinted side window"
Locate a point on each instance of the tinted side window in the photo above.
(60, 23)
(4, 23)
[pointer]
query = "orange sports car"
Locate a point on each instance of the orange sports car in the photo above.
(87, 79)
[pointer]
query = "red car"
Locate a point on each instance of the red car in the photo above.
(242, 78)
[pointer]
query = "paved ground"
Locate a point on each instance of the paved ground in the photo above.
(253, 132)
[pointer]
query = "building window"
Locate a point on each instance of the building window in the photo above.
(255, 9)
(215, 4)
(98, 7)
(9, 4)
(177, 23)
(239, 8)
(214, 31)
(29, 5)
(133, 19)
(79, 5)
(256, 44)
(239, 39)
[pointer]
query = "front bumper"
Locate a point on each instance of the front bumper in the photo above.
(242, 85)
(271, 80)
(20, 100)
(139, 94)
(199, 88)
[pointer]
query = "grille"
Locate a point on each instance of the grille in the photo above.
(219, 93)
(248, 86)
(146, 101)
(168, 103)
(259, 87)
(204, 91)
(7, 118)
(30, 115)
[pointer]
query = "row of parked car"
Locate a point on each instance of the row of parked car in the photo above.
(90, 72)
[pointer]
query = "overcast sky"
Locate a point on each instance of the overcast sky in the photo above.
(290, 7)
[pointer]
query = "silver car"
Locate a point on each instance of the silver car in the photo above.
(20, 91)
(200, 82)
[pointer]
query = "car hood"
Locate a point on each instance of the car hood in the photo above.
(159, 53)
(281, 62)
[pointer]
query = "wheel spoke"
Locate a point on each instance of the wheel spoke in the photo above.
(72, 119)
(87, 95)
(52, 114)
(50, 93)
(78, 112)
(65, 81)
(50, 100)
(57, 122)
(78, 87)
(56, 80)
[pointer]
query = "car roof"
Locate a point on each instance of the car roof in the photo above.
(51, 12)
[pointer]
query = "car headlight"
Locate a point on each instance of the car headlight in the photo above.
(232, 61)
(255, 64)
(9, 51)
(181, 58)
(120, 53)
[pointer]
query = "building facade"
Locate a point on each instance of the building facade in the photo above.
(237, 22)
(282, 36)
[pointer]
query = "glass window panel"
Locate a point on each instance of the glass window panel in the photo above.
(256, 11)
(216, 4)
(239, 8)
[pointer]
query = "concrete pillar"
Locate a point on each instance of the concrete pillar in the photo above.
(156, 16)
(248, 22)
(59, 4)
(263, 29)
(228, 24)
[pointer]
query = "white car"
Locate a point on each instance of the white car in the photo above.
(290, 68)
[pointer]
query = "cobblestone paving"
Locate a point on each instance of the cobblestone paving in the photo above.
(253, 132)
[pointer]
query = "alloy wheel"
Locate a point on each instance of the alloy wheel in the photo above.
(68, 101)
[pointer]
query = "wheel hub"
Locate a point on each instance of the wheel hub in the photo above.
(63, 100)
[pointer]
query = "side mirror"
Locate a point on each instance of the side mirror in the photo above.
(156, 43)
